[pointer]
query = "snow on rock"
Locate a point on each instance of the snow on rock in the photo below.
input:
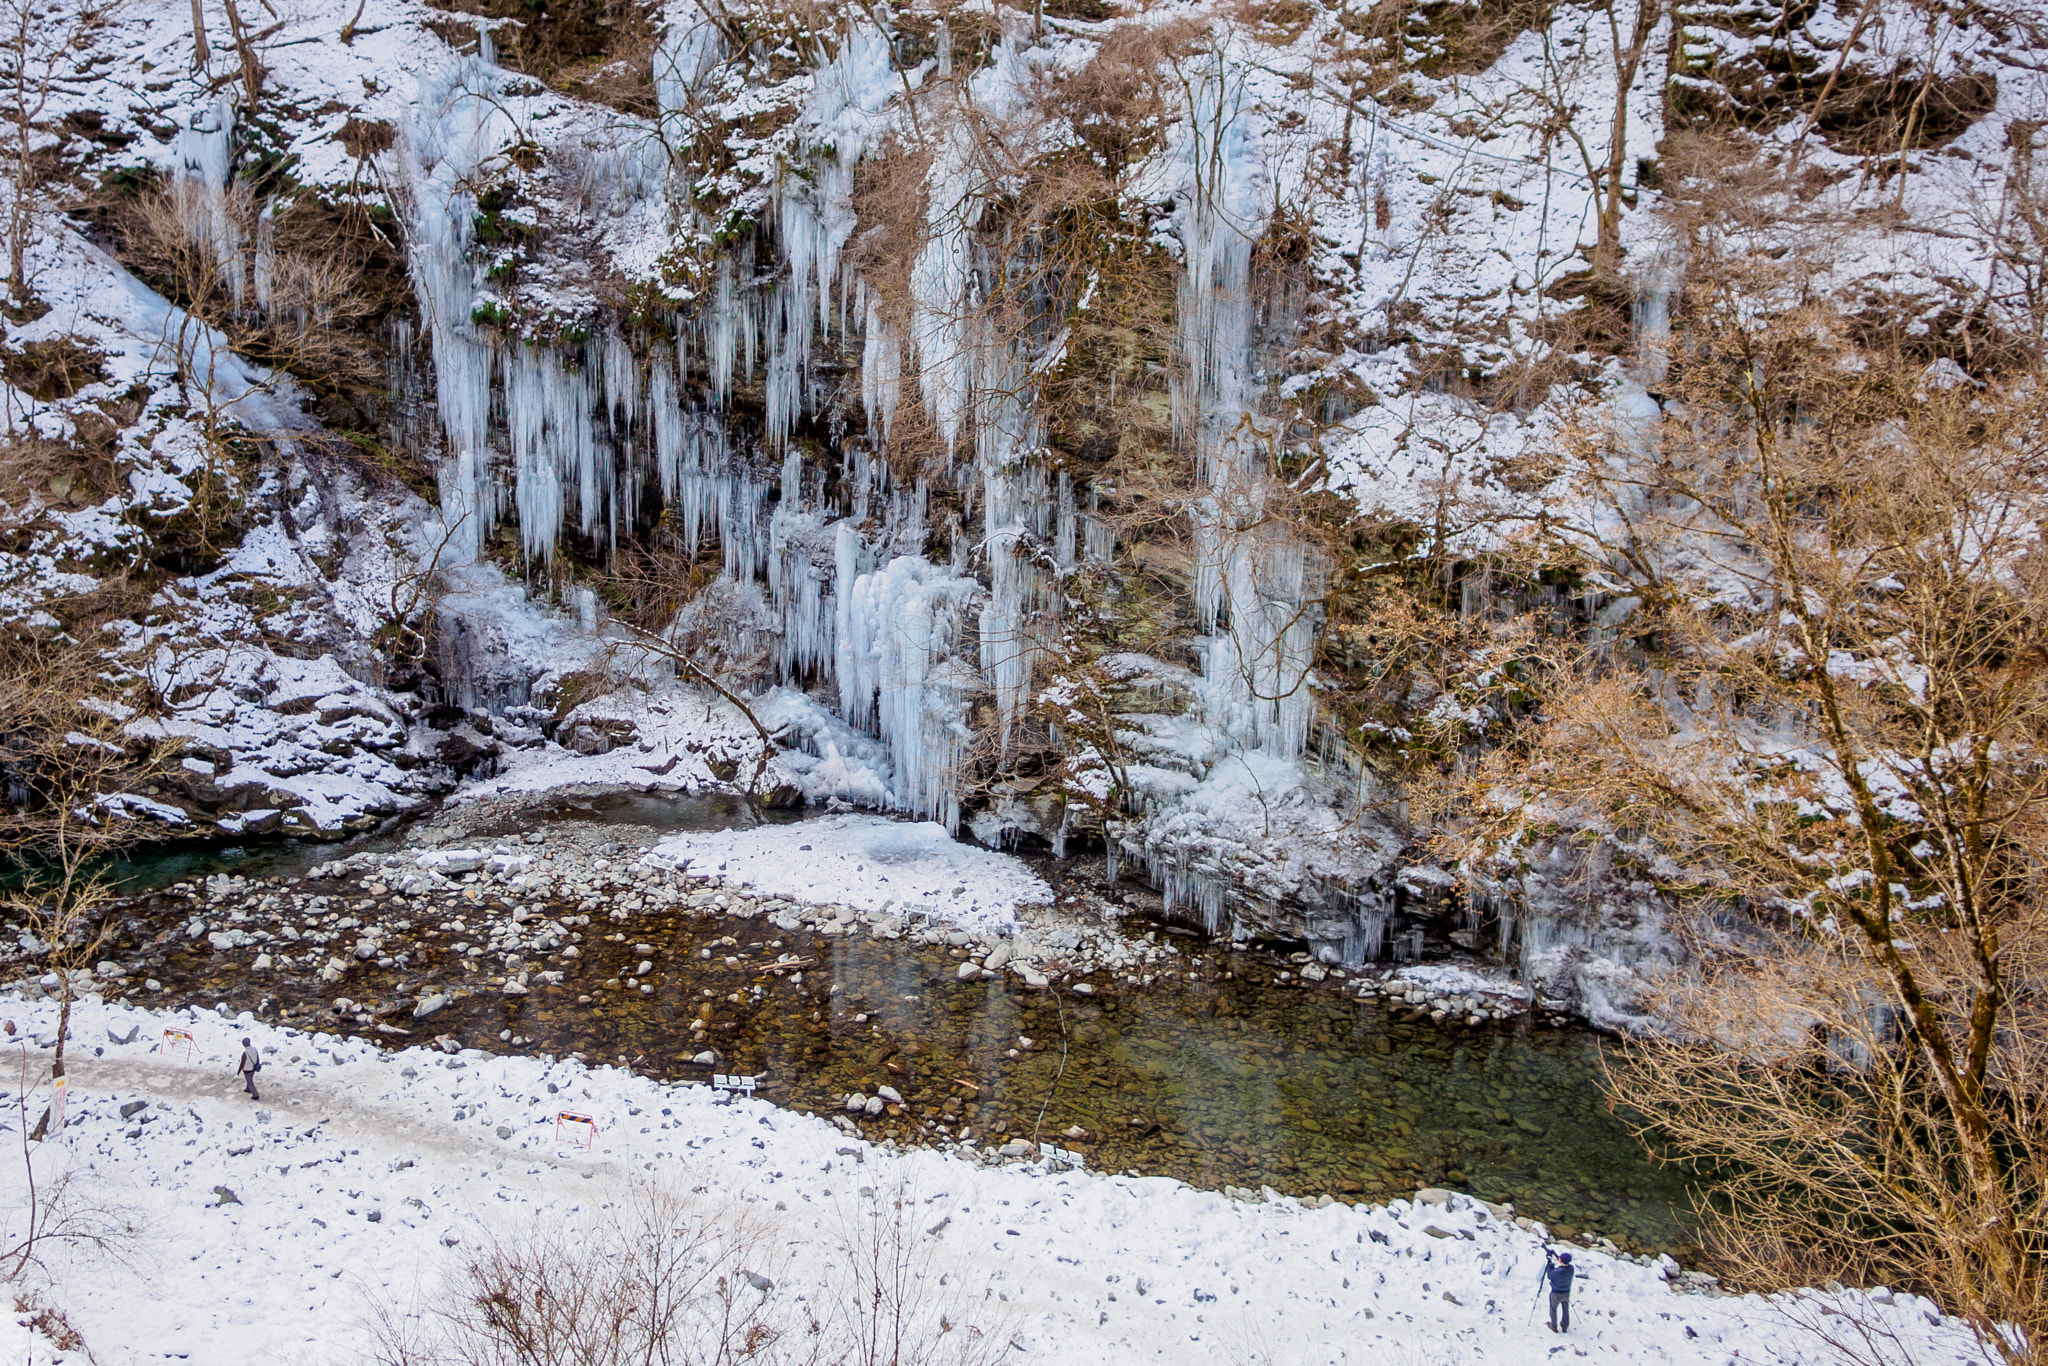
(273, 685)
(1450, 978)
(911, 869)
(1445, 242)
(362, 1180)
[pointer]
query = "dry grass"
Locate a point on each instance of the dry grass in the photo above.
(668, 1279)
(1825, 719)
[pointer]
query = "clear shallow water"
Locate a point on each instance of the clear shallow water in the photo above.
(1242, 1081)
(149, 867)
(153, 866)
(663, 812)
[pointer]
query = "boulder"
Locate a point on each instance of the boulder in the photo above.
(464, 755)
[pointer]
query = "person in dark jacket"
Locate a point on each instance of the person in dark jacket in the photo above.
(251, 1064)
(1558, 1270)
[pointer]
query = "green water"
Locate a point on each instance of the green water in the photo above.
(1218, 1081)
(148, 867)
(660, 812)
(159, 865)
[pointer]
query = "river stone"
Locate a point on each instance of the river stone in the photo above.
(890, 1094)
(998, 956)
(967, 972)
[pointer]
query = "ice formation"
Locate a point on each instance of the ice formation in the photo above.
(460, 126)
(565, 433)
(201, 195)
(1254, 578)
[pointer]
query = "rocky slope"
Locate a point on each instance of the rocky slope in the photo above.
(997, 407)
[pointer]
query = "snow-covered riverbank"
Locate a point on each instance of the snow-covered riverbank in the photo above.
(270, 1231)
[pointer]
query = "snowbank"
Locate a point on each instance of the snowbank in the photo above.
(271, 1228)
(912, 869)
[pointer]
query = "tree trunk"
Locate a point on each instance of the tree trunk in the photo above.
(202, 57)
(245, 51)
(1627, 62)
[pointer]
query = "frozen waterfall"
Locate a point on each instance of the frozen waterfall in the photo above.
(714, 401)
(1255, 580)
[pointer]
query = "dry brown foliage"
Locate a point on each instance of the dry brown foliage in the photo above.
(36, 41)
(66, 757)
(278, 286)
(1827, 734)
(285, 288)
(668, 1279)
(595, 49)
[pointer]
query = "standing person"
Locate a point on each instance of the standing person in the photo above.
(251, 1064)
(1558, 1270)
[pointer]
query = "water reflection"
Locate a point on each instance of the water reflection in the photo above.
(1218, 1082)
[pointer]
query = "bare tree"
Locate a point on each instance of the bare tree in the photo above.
(1571, 65)
(37, 42)
(202, 55)
(68, 753)
(266, 296)
(664, 1280)
(897, 1305)
(668, 1279)
(1825, 737)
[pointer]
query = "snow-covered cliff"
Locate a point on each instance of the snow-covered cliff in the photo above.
(997, 404)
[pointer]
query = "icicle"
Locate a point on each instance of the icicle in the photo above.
(263, 261)
(1098, 539)
(556, 453)
(720, 334)
(200, 192)
(856, 706)
(690, 48)
(898, 657)
(459, 123)
(846, 110)
(1254, 580)
(1014, 507)
(621, 381)
(789, 354)
(1182, 885)
(939, 280)
(1063, 536)
(665, 416)
(881, 371)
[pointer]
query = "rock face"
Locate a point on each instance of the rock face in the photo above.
(1040, 652)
